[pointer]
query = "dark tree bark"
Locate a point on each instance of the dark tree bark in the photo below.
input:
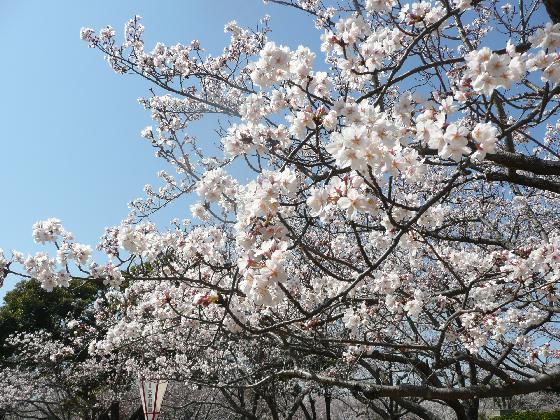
(114, 410)
(138, 414)
(553, 9)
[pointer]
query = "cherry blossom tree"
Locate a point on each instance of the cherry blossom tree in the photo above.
(48, 377)
(397, 241)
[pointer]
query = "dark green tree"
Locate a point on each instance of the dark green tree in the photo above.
(29, 308)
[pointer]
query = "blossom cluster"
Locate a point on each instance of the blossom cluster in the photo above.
(395, 208)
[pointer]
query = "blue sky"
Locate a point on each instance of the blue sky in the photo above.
(70, 144)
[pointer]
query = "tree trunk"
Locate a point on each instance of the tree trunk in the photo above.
(472, 410)
(328, 405)
(114, 411)
(138, 414)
